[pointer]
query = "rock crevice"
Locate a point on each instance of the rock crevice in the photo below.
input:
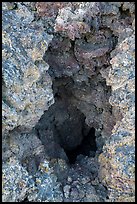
(68, 88)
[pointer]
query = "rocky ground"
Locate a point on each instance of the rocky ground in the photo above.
(68, 101)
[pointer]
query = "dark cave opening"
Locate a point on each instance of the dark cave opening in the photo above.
(87, 147)
(62, 129)
(81, 102)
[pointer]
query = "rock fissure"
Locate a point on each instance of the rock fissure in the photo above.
(68, 101)
(66, 126)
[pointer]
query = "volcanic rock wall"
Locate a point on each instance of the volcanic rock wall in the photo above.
(66, 64)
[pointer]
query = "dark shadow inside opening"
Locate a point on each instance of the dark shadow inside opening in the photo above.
(87, 147)
(62, 129)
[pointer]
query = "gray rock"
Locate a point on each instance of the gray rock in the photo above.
(84, 53)
(24, 95)
(66, 190)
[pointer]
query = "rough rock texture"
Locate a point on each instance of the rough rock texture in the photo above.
(18, 184)
(68, 101)
(24, 71)
(16, 181)
(117, 159)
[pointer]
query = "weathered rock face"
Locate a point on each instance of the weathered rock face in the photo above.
(68, 101)
(119, 152)
(24, 71)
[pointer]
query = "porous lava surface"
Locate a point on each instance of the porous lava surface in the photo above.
(68, 101)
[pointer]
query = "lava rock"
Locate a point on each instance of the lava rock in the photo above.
(24, 96)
